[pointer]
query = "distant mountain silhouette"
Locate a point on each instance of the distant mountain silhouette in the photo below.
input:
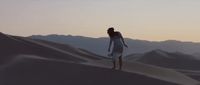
(99, 45)
(174, 60)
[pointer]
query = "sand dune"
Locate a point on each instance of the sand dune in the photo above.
(30, 71)
(74, 50)
(191, 73)
(32, 62)
(174, 60)
(156, 72)
(12, 46)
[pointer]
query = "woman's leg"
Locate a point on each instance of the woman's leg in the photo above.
(114, 64)
(120, 62)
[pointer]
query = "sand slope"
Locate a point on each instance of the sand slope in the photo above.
(29, 71)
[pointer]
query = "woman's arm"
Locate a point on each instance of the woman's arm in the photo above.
(110, 43)
(122, 40)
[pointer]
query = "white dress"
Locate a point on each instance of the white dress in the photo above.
(117, 47)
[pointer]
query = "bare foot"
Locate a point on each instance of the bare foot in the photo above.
(120, 69)
(113, 68)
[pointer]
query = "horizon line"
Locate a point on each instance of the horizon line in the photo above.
(75, 35)
(108, 37)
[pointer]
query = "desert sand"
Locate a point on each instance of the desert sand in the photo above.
(26, 61)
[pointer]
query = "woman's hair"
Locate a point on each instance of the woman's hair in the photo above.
(111, 32)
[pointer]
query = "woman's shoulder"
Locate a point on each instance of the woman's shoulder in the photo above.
(117, 33)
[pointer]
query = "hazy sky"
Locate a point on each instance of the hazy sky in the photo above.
(138, 19)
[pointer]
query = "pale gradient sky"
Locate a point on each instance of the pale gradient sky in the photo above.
(139, 19)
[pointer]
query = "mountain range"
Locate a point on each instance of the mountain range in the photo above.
(100, 45)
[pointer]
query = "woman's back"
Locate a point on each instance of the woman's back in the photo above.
(117, 39)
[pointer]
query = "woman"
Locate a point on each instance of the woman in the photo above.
(118, 43)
